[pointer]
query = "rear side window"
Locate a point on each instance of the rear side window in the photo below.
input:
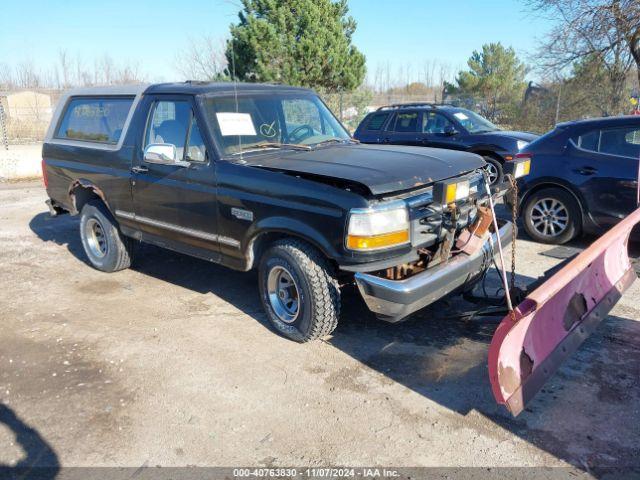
(377, 120)
(621, 141)
(406, 122)
(589, 140)
(94, 119)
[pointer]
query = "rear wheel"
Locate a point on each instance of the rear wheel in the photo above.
(299, 290)
(106, 248)
(552, 216)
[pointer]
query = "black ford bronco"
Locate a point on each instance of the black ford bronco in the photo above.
(264, 176)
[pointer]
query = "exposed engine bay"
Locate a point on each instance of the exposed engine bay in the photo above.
(440, 233)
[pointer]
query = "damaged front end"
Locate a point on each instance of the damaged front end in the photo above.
(451, 230)
(551, 323)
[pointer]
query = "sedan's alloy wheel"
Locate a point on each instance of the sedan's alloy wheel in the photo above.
(550, 217)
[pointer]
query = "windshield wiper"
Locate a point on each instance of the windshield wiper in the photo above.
(260, 146)
(295, 146)
(335, 140)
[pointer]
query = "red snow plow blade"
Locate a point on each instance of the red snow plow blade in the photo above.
(553, 320)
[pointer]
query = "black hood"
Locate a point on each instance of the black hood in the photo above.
(381, 168)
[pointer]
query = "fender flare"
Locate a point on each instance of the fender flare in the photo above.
(286, 227)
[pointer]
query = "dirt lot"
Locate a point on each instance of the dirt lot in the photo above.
(172, 363)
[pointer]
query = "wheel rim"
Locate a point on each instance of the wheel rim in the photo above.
(96, 239)
(283, 294)
(549, 217)
(492, 171)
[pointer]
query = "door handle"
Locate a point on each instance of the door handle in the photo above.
(586, 170)
(139, 169)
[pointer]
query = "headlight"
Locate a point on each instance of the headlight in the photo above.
(521, 144)
(378, 228)
(449, 191)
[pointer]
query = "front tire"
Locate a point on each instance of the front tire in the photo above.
(106, 248)
(494, 170)
(552, 216)
(299, 290)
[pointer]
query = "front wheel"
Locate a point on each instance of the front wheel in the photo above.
(552, 216)
(299, 290)
(494, 170)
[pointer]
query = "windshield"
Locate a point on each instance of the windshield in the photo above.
(253, 122)
(473, 122)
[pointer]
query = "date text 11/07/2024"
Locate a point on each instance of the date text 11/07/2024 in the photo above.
(318, 472)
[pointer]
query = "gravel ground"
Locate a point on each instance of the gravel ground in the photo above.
(172, 363)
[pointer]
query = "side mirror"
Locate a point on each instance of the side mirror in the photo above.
(163, 154)
(450, 130)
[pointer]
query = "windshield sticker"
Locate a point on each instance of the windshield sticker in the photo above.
(235, 124)
(460, 116)
(269, 129)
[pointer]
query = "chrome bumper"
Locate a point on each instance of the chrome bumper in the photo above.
(392, 300)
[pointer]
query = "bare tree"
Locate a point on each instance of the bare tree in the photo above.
(428, 72)
(626, 15)
(64, 77)
(606, 30)
(203, 59)
(6, 76)
(26, 75)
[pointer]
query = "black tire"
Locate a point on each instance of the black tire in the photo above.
(531, 215)
(316, 288)
(497, 165)
(117, 249)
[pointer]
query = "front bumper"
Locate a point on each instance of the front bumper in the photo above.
(392, 300)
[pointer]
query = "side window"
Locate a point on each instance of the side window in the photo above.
(406, 122)
(433, 122)
(169, 123)
(621, 141)
(377, 121)
(633, 137)
(588, 141)
(93, 119)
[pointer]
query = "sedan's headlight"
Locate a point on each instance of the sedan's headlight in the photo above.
(378, 228)
(521, 144)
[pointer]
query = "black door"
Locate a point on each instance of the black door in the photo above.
(604, 164)
(176, 204)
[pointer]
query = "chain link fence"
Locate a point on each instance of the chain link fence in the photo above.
(351, 107)
(25, 115)
(537, 109)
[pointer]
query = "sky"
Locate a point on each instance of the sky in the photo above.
(152, 33)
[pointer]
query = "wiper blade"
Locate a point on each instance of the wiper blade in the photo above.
(336, 140)
(260, 146)
(295, 146)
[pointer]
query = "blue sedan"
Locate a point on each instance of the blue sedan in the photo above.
(584, 178)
